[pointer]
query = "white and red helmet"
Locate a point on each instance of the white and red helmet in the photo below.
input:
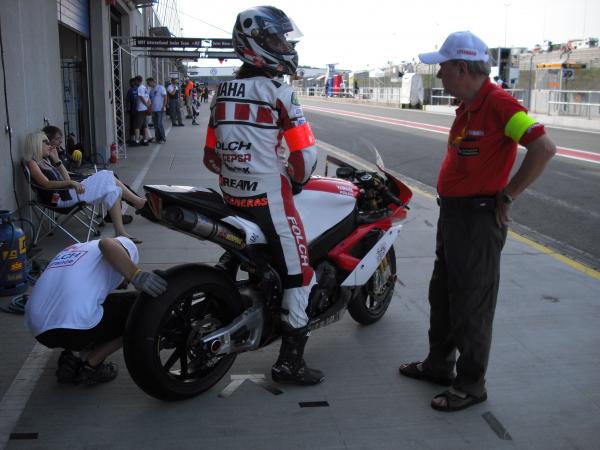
(265, 37)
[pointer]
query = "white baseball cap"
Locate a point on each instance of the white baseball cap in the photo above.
(462, 45)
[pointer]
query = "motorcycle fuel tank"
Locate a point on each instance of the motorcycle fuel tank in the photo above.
(323, 203)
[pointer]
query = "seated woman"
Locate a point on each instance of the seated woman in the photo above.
(72, 159)
(70, 156)
(48, 172)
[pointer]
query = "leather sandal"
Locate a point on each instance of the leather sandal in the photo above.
(455, 402)
(411, 370)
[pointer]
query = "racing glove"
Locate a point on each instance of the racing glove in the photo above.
(149, 282)
(296, 187)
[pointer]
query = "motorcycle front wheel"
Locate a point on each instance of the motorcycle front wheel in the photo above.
(370, 303)
(161, 341)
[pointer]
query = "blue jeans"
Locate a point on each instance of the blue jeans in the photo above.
(159, 128)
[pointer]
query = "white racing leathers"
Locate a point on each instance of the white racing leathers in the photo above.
(249, 118)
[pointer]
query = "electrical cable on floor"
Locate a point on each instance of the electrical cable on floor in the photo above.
(16, 305)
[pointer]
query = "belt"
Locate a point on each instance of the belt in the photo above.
(482, 203)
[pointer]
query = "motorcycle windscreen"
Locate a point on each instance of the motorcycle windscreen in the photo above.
(321, 211)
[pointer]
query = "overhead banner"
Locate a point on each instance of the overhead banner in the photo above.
(166, 42)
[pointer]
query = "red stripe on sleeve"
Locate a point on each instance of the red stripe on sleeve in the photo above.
(299, 137)
(211, 138)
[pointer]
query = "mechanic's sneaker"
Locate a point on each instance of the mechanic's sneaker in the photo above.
(68, 368)
(102, 373)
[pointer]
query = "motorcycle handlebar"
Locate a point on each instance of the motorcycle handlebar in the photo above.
(391, 198)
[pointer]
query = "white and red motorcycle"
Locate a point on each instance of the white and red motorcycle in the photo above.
(183, 342)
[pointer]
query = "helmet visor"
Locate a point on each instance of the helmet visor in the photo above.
(278, 44)
(279, 26)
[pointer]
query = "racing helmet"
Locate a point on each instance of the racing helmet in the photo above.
(260, 38)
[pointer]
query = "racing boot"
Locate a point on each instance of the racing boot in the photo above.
(290, 366)
(229, 264)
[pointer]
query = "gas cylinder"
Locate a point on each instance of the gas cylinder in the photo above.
(13, 256)
(113, 153)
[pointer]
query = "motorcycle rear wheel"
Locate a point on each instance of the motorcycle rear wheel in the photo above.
(160, 342)
(371, 302)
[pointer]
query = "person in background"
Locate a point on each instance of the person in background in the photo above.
(131, 107)
(174, 107)
(49, 173)
(143, 105)
(71, 306)
(187, 92)
(158, 100)
(476, 194)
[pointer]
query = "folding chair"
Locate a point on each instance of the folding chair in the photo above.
(50, 217)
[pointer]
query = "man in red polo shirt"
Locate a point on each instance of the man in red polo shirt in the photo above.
(475, 197)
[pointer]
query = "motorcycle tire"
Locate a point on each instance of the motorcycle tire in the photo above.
(371, 302)
(160, 343)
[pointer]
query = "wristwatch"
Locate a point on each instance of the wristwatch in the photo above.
(506, 198)
(57, 163)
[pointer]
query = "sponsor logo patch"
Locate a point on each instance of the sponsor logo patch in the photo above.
(246, 202)
(243, 157)
(244, 185)
(468, 151)
(300, 241)
(67, 258)
(234, 145)
(475, 133)
(466, 51)
(232, 89)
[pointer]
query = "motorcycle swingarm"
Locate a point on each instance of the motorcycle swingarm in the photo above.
(241, 335)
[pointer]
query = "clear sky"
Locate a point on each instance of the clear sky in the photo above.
(370, 33)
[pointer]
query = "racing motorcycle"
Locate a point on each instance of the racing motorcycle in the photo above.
(183, 342)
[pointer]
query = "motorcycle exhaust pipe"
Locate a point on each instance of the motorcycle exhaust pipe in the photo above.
(203, 227)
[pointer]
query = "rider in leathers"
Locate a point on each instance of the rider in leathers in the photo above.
(249, 118)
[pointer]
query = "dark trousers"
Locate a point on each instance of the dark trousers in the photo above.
(462, 294)
(174, 111)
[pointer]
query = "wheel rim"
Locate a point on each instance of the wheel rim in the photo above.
(192, 316)
(379, 288)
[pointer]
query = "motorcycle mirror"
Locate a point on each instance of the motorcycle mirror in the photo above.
(346, 173)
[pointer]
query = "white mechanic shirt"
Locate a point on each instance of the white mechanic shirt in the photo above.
(72, 289)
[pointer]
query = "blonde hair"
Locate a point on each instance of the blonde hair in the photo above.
(34, 146)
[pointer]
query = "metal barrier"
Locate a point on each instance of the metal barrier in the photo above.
(574, 103)
(439, 97)
(584, 104)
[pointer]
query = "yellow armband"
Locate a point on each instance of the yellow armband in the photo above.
(518, 125)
